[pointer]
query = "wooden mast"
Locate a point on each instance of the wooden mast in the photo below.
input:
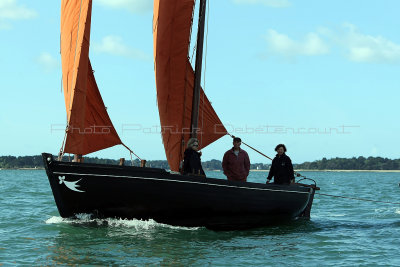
(197, 73)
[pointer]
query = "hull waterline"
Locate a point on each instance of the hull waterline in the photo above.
(148, 193)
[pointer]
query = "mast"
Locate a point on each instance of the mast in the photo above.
(175, 79)
(197, 73)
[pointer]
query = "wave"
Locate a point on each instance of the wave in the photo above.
(85, 219)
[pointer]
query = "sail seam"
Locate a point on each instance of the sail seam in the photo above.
(180, 181)
(76, 45)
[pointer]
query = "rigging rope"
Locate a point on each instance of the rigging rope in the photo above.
(251, 147)
(61, 153)
(192, 57)
(190, 36)
(130, 150)
(130, 154)
(296, 173)
(205, 70)
(322, 194)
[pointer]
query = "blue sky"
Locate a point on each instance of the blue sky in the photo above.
(321, 77)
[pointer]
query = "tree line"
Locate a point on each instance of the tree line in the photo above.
(12, 162)
(355, 163)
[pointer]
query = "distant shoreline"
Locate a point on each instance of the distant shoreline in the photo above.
(300, 170)
(305, 170)
(359, 164)
(23, 169)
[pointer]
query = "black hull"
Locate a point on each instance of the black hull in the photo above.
(148, 193)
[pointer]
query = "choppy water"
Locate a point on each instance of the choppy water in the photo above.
(341, 231)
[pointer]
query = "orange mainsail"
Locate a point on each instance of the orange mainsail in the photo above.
(172, 24)
(89, 126)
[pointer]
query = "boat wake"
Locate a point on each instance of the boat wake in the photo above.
(85, 219)
(328, 215)
(387, 210)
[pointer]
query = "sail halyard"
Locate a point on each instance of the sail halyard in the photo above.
(89, 127)
(197, 74)
(175, 77)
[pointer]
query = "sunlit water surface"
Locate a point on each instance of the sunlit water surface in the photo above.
(341, 231)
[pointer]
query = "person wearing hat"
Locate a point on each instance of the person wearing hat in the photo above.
(192, 161)
(281, 168)
(236, 162)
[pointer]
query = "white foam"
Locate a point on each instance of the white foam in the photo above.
(134, 223)
(54, 220)
(336, 214)
(327, 215)
(387, 210)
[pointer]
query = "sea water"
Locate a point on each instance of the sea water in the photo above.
(341, 231)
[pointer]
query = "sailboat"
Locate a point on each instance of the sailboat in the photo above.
(143, 193)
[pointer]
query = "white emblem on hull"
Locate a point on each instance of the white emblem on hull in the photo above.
(71, 185)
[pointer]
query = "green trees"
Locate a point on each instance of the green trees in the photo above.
(359, 163)
(9, 162)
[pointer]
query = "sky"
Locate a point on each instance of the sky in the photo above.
(322, 77)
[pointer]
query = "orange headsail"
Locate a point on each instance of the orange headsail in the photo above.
(172, 24)
(89, 126)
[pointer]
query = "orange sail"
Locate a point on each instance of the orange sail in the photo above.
(172, 23)
(89, 126)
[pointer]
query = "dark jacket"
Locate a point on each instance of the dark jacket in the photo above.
(281, 169)
(192, 162)
(236, 168)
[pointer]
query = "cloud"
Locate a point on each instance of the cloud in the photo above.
(366, 48)
(114, 45)
(4, 26)
(358, 47)
(11, 10)
(48, 62)
(134, 6)
(282, 44)
(270, 3)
